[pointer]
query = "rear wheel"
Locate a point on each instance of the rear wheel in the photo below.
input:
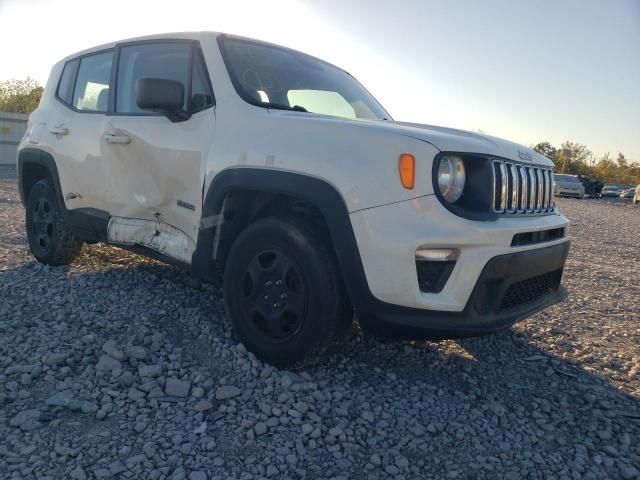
(50, 238)
(283, 293)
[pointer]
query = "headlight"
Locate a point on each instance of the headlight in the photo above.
(451, 178)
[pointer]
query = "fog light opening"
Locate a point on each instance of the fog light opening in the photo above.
(437, 254)
(434, 267)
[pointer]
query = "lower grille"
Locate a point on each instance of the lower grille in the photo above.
(531, 289)
(530, 238)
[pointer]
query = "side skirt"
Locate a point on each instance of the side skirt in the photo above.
(159, 237)
(93, 225)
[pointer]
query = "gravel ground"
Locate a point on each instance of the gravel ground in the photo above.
(122, 367)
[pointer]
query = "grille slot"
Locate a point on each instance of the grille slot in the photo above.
(531, 289)
(522, 189)
(530, 238)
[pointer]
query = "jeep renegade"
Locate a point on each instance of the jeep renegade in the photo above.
(281, 175)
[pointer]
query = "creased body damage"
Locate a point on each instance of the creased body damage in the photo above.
(157, 236)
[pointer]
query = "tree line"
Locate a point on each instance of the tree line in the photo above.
(20, 96)
(577, 159)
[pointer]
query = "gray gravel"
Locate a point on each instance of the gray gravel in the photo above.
(122, 367)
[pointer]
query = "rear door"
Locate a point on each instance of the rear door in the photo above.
(74, 128)
(154, 167)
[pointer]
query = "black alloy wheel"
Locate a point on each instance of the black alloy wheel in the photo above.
(284, 293)
(50, 237)
(42, 224)
(274, 294)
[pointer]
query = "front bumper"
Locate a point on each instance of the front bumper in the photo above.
(471, 301)
(498, 300)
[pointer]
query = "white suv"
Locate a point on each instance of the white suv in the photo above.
(281, 174)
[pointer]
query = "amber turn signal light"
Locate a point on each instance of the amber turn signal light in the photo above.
(407, 170)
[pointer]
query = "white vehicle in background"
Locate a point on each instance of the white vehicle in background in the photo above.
(613, 190)
(280, 173)
(568, 186)
(628, 193)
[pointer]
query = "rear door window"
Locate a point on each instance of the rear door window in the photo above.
(91, 91)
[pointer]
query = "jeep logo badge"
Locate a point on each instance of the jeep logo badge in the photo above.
(525, 156)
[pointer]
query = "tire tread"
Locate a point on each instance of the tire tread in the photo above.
(340, 316)
(66, 245)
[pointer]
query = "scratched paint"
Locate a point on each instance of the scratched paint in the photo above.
(155, 235)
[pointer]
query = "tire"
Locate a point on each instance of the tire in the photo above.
(50, 238)
(283, 293)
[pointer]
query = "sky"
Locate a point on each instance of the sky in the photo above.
(528, 71)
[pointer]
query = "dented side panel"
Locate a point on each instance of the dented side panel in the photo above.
(158, 175)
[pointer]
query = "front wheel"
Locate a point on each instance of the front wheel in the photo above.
(50, 238)
(284, 294)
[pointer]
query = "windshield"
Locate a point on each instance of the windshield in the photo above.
(566, 178)
(276, 77)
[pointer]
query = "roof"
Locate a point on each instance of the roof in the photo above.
(160, 36)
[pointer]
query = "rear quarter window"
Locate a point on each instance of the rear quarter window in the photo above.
(67, 80)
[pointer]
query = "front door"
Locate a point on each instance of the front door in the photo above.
(154, 167)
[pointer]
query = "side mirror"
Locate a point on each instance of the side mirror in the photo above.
(161, 95)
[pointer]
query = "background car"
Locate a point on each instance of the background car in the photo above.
(629, 193)
(568, 186)
(612, 190)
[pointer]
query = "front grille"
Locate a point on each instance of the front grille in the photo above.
(520, 189)
(531, 289)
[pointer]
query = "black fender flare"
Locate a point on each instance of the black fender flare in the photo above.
(43, 159)
(318, 192)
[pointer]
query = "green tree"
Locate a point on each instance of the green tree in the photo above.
(20, 96)
(606, 169)
(573, 158)
(617, 171)
(546, 149)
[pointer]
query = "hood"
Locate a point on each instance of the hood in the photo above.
(453, 140)
(443, 138)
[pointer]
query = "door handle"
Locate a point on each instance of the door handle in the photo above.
(59, 131)
(122, 139)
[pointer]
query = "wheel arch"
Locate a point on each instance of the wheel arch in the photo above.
(268, 186)
(33, 165)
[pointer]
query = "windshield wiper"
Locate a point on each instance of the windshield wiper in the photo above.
(277, 106)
